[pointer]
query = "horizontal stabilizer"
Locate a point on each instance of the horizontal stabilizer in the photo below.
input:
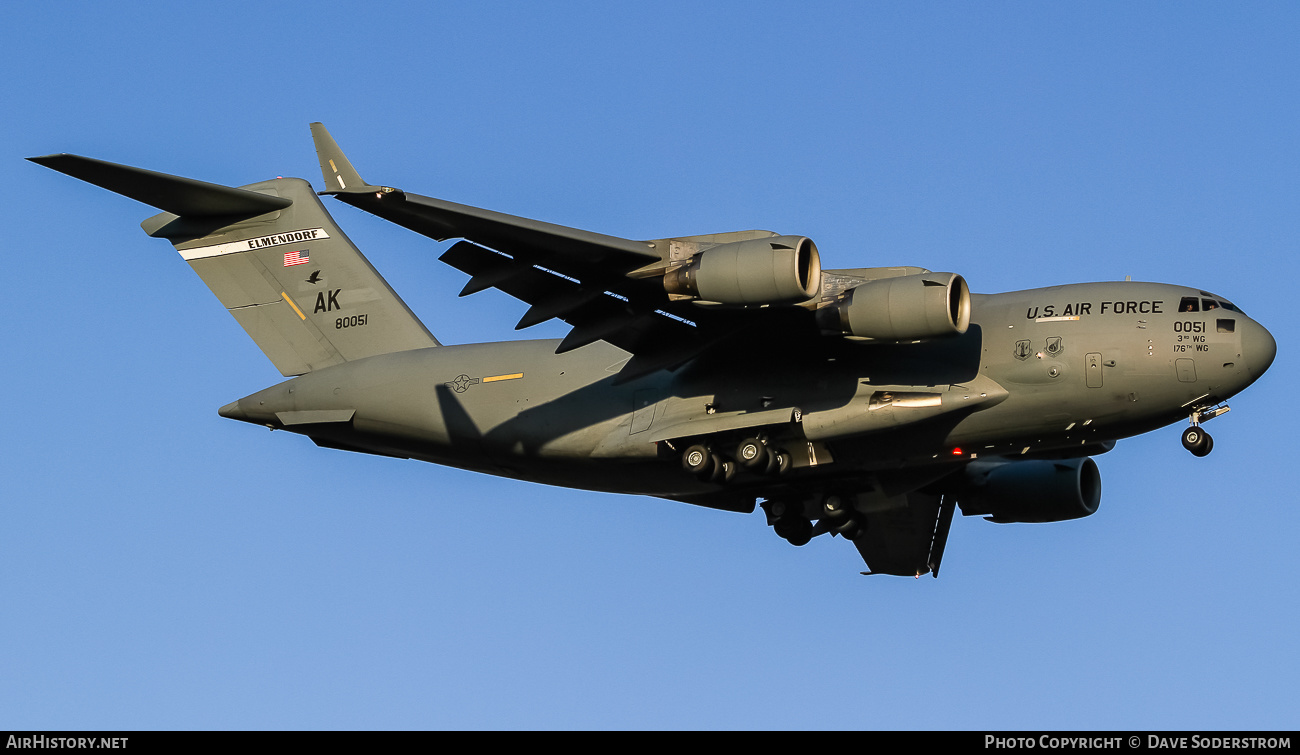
(180, 196)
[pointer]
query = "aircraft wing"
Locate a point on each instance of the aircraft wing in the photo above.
(608, 288)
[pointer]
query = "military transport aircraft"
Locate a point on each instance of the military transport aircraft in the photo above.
(721, 370)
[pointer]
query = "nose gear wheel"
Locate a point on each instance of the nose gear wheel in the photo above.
(1197, 441)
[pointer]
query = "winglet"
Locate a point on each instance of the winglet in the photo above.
(340, 176)
(181, 196)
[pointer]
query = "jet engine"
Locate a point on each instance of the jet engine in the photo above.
(1031, 491)
(907, 308)
(777, 270)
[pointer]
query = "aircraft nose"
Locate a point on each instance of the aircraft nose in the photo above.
(1258, 347)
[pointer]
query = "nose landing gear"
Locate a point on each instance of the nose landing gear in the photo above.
(1195, 439)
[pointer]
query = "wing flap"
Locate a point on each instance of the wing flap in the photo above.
(596, 314)
(557, 303)
(616, 325)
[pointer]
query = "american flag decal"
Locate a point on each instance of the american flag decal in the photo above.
(296, 258)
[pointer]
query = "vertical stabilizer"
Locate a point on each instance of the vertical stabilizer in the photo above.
(296, 284)
(275, 259)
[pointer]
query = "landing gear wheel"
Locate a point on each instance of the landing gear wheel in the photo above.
(850, 530)
(752, 453)
(834, 507)
(723, 470)
(697, 460)
(1197, 441)
(794, 529)
(777, 509)
(803, 536)
(782, 462)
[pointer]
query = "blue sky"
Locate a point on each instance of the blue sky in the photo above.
(162, 567)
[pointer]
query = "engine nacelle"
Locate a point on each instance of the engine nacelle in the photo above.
(907, 308)
(1031, 491)
(777, 270)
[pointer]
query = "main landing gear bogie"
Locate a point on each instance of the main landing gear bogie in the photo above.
(756, 455)
(795, 529)
(839, 518)
(753, 454)
(707, 465)
(789, 522)
(836, 516)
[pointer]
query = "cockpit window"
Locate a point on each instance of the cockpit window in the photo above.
(1226, 326)
(1209, 304)
(1189, 304)
(1217, 300)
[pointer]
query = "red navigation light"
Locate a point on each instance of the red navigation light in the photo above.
(956, 452)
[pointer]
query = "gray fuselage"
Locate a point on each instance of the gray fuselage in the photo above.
(1064, 369)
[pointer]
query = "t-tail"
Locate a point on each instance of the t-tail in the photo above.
(275, 259)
